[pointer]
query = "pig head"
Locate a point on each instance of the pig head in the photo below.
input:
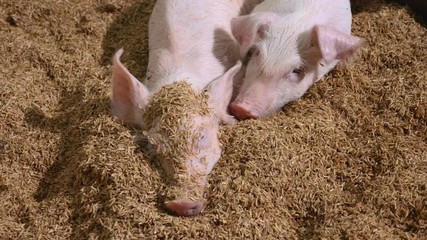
(284, 56)
(182, 127)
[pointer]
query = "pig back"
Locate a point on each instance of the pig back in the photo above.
(191, 38)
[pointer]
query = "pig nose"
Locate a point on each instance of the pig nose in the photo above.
(184, 207)
(240, 112)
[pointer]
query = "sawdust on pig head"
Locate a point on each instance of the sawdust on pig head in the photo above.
(173, 121)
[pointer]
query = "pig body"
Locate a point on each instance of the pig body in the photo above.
(189, 41)
(289, 45)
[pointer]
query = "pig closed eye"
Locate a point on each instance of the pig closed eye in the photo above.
(202, 143)
(204, 139)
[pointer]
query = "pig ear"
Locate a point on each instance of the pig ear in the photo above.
(129, 96)
(335, 45)
(247, 28)
(220, 91)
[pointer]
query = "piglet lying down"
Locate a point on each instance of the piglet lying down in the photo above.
(289, 45)
(184, 99)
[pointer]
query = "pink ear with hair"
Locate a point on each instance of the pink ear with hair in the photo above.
(335, 45)
(247, 28)
(129, 96)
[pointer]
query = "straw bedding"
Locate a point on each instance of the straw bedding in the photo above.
(347, 161)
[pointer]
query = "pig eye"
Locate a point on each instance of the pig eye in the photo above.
(253, 51)
(297, 71)
(248, 56)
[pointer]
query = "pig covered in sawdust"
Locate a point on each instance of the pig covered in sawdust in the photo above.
(288, 45)
(184, 97)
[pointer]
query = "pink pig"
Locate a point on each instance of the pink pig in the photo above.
(289, 45)
(188, 41)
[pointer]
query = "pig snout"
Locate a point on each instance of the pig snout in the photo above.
(184, 207)
(241, 110)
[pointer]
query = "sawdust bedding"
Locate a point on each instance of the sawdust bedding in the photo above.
(347, 161)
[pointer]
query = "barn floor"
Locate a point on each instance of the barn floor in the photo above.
(347, 161)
